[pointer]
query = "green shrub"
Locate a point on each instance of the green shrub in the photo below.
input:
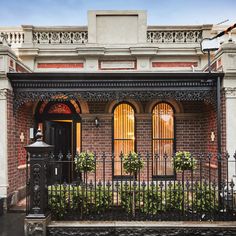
(132, 163)
(151, 200)
(205, 198)
(184, 161)
(85, 162)
(174, 197)
(83, 200)
(58, 200)
(130, 197)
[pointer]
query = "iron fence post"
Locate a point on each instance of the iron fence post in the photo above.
(38, 215)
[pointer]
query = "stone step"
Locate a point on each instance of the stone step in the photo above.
(136, 228)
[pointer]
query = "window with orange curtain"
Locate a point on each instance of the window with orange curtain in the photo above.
(163, 139)
(124, 134)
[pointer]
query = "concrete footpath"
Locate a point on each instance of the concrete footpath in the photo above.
(12, 224)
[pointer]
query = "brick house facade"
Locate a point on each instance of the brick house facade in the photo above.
(51, 53)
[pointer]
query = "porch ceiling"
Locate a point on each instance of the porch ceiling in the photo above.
(200, 86)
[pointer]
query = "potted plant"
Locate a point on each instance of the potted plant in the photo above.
(133, 163)
(184, 161)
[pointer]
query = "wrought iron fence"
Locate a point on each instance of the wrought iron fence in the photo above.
(190, 187)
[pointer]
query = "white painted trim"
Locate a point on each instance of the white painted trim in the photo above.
(3, 146)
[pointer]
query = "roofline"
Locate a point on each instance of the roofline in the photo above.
(115, 75)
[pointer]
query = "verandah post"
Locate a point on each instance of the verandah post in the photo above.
(38, 214)
(219, 141)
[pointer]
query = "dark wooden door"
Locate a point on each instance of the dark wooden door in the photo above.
(59, 134)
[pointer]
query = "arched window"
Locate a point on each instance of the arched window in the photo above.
(162, 138)
(124, 133)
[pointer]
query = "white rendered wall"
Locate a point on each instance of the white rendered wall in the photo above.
(231, 130)
(3, 144)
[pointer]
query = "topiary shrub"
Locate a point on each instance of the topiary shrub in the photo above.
(184, 161)
(132, 163)
(85, 162)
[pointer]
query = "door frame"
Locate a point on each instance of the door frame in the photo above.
(45, 116)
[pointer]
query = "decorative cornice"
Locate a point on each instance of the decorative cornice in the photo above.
(97, 85)
(230, 92)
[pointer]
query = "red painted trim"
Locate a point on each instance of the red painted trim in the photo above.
(114, 68)
(60, 65)
(174, 64)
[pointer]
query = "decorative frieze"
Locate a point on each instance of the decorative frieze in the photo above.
(29, 96)
(183, 36)
(60, 37)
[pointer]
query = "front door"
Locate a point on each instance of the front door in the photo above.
(59, 134)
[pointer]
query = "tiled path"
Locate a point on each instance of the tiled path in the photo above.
(12, 224)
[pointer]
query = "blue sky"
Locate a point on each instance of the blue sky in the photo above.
(74, 12)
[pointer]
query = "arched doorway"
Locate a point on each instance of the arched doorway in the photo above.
(60, 123)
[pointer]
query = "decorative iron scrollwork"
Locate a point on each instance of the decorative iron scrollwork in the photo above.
(34, 228)
(36, 188)
(207, 96)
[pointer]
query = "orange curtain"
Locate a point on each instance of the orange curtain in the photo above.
(124, 136)
(163, 138)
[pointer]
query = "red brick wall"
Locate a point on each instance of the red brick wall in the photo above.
(98, 140)
(210, 125)
(189, 135)
(17, 123)
(144, 141)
